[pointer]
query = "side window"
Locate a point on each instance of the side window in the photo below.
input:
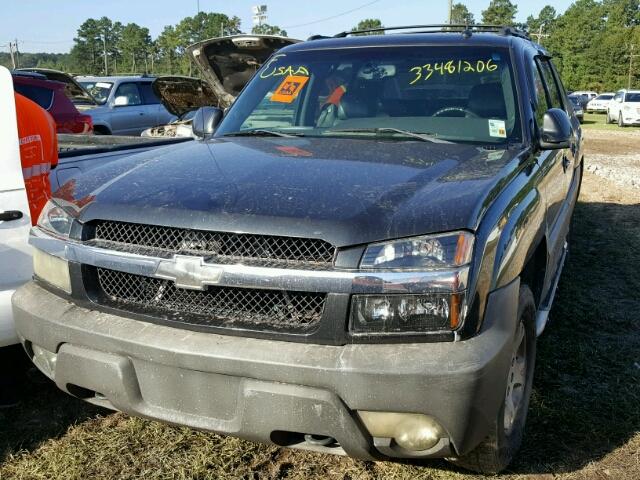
(39, 95)
(555, 98)
(540, 101)
(129, 90)
(147, 93)
(617, 96)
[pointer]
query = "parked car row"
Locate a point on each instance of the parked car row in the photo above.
(621, 107)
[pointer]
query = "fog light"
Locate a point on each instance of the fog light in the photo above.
(411, 431)
(52, 270)
(44, 360)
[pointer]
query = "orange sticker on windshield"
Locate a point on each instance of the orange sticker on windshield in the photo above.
(289, 89)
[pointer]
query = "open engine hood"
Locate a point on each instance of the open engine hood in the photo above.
(228, 63)
(181, 95)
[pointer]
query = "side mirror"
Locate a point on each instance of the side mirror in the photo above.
(206, 120)
(556, 130)
(619, 99)
(121, 101)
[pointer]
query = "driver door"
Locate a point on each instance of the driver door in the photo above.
(557, 165)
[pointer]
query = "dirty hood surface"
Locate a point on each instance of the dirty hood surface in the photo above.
(345, 191)
(228, 63)
(181, 95)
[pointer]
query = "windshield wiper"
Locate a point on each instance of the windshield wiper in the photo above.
(425, 137)
(260, 133)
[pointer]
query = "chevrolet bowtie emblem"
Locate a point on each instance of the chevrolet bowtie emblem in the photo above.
(189, 272)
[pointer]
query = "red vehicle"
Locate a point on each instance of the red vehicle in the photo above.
(51, 96)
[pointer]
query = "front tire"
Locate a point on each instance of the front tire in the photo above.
(499, 448)
(620, 120)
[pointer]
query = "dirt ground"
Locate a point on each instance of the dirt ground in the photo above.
(584, 421)
(614, 155)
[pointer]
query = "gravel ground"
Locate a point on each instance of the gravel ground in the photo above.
(614, 156)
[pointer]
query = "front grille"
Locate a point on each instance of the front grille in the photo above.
(216, 306)
(222, 246)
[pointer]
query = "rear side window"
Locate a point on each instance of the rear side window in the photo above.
(632, 97)
(129, 90)
(148, 96)
(39, 95)
(553, 90)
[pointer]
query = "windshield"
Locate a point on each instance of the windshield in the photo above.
(575, 101)
(452, 93)
(98, 90)
(632, 97)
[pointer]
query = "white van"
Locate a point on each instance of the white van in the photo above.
(16, 266)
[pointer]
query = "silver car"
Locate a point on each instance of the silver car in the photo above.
(126, 105)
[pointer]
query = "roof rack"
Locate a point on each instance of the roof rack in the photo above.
(465, 29)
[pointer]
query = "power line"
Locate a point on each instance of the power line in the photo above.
(333, 16)
(46, 42)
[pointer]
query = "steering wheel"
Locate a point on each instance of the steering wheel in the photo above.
(467, 113)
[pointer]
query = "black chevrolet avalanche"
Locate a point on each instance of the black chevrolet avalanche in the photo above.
(356, 257)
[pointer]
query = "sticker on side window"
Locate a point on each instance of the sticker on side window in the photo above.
(103, 85)
(289, 89)
(497, 129)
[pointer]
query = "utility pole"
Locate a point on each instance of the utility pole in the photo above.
(539, 36)
(104, 50)
(17, 54)
(631, 55)
(450, 12)
(13, 59)
(198, 3)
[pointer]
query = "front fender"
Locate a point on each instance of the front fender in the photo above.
(506, 238)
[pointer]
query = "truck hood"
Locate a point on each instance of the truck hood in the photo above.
(181, 95)
(345, 191)
(228, 63)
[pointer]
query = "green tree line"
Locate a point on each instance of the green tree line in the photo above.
(592, 42)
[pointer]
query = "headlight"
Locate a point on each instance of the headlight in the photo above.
(54, 219)
(427, 252)
(431, 312)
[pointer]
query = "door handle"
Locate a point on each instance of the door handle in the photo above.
(141, 113)
(10, 215)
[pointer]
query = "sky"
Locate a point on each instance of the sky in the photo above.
(49, 26)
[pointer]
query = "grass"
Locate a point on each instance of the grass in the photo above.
(597, 121)
(583, 422)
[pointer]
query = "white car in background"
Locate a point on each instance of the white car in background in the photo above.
(600, 103)
(624, 108)
(587, 93)
(16, 265)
